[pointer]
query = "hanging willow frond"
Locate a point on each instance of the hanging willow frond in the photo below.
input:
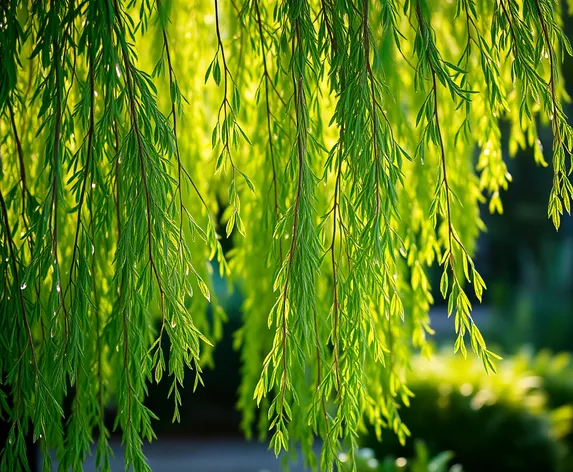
(337, 137)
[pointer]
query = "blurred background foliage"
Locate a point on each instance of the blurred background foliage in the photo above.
(517, 420)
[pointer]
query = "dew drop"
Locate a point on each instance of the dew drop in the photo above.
(58, 289)
(6, 259)
(93, 249)
(51, 333)
(486, 151)
(117, 71)
(11, 440)
(173, 324)
(23, 286)
(93, 185)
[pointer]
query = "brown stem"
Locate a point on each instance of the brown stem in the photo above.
(141, 154)
(554, 124)
(225, 103)
(299, 103)
(267, 103)
(440, 141)
(25, 191)
(21, 300)
(336, 308)
(55, 190)
(366, 40)
(85, 171)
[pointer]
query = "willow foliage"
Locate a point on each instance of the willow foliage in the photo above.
(337, 137)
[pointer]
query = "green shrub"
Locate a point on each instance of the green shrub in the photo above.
(491, 422)
(556, 372)
(421, 462)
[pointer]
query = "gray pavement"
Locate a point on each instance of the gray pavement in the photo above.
(198, 455)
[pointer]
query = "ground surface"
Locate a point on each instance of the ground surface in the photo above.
(193, 455)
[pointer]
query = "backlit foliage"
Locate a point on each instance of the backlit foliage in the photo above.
(347, 145)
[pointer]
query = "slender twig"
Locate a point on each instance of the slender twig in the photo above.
(434, 92)
(85, 170)
(374, 116)
(142, 155)
(299, 104)
(335, 303)
(225, 103)
(99, 334)
(23, 181)
(21, 300)
(555, 109)
(55, 190)
(268, 107)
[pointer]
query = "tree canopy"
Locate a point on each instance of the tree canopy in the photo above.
(345, 147)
